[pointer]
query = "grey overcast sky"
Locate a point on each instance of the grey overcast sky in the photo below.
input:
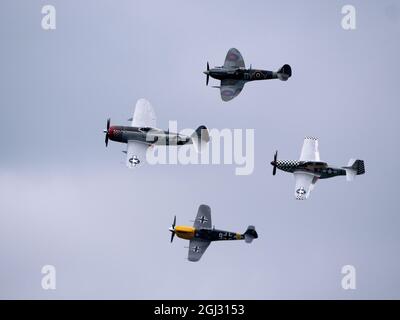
(67, 201)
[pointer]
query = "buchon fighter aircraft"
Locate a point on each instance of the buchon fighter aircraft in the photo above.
(143, 133)
(309, 168)
(233, 74)
(203, 233)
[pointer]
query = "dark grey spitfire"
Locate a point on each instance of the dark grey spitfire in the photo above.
(233, 74)
(309, 168)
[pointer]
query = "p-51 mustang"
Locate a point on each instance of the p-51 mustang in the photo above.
(143, 133)
(234, 75)
(309, 168)
(202, 233)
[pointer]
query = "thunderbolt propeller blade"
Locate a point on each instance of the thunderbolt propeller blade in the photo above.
(172, 229)
(106, 131)
(274, 163)
(208, 74)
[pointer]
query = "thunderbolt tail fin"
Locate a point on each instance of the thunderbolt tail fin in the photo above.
(200, 138)
(354, 168)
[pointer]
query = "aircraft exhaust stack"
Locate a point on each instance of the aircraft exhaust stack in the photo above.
(172, 229)
(274, 163)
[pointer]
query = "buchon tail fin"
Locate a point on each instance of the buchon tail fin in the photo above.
(200, 138)
(250, 234)
(284, 73)
(354, 168)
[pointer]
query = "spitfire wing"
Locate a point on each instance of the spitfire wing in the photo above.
(203, 218)
(196, 249)
(305, 182)
(310, 150)
(135, 153)
(233, 59)
(144, 115)
(230, 89)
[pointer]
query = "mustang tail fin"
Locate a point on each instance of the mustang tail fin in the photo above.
(250, 234)
(200, 138)
(284, 73)
(354, 168)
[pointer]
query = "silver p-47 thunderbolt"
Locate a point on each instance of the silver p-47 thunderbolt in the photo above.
(309, 168)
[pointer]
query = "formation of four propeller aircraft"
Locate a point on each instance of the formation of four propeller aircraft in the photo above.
(143, 133)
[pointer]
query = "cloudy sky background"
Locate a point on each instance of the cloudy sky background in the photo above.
(68, 201)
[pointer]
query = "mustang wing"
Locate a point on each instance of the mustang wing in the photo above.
(233, 59)
(230, 89)
(196, 249)
(310, 150)
(305, 182)
(203, 218)
(135, 153)
(144, 115)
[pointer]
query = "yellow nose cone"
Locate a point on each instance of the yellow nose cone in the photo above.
(185, 232)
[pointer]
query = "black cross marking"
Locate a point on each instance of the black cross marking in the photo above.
(202, 219)
(196, 249)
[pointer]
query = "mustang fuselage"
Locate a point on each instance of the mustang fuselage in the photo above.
(241, 74)
(321, 169)
(146, 135)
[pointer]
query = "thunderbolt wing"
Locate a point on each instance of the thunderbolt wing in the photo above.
(144, 115)
(233, 59)
(305, 182)
(135, 153)
(310, 150)
(230, 88)
(203, 218)
(196, 249)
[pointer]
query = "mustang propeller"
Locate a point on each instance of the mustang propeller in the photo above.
(172, 229)
(274, 163)
(106, 131)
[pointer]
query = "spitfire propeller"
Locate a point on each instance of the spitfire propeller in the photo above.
(274, 163)
(106, 131)
(208, 74)
(172, 229)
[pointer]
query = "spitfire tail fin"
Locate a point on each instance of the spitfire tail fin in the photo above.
(284, 73)
(354, 167)
(250, 234)
(200, 138)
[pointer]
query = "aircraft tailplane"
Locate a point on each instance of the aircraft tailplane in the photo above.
(200, 138)
(250, 234)
(284, 73)
(354, 167)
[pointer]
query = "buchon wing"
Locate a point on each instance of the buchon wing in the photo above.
(310, 150)
(144, 115)
(196, 249)
(203, 218)
(234, 59)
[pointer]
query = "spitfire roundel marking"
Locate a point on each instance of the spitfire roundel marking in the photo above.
(258, 74)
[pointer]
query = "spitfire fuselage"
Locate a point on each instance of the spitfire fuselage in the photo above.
(146, 135)
(188, 233)
(241, 74)
(321, 169)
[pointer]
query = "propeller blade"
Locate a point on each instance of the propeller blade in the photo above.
(172, 236)
(174, 223)
(208, 75)
(108, 127)
(208, 66)
(274, 163)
